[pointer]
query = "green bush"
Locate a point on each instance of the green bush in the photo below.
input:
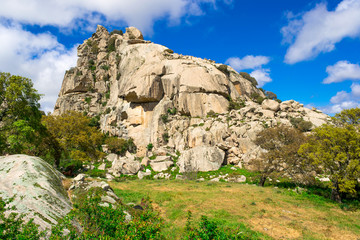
(102, 222)
(236, 105)
(223, 68)
(105, 67)
(172, 111)
(212, 114)
(120, 145)
(250, 78)
(149, 147)
(111, 47)
(301, 124)
(257, 98)
(115, 31)
(164, 118)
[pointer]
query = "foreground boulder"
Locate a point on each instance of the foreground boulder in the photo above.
(36, 187)
(201, 159)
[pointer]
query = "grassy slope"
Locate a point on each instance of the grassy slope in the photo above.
(277, 213)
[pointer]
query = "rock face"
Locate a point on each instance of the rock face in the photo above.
(145, 91)
(201, 159)
(37, 189)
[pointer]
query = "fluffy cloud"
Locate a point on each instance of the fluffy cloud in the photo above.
(252, 62)
(262, 76)
(344, 100)
(318, 30)
(42, 58)
(37, 56)
(247, 62)
(341, 71)
(64, 13)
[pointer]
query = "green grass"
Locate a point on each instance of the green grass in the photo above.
(267, 212)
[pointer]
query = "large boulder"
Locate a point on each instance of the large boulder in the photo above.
(269, 104)
(36, 187)
(161, 163)
(201, 158)
(125, 166)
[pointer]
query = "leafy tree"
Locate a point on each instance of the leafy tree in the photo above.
(21, 130)
(348, 116)
(282, 144)
(78, 139)
(336, 150)
(270, 95)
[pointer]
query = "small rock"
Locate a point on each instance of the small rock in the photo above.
(109, 177)
(102, 166)
(215, 180)
(128, 217)
(80, 177)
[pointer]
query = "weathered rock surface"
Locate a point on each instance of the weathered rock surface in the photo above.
(161, 163)
(36, 187)
(144, 91)
(124, 166)
(201, 158)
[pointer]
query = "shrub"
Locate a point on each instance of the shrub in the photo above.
(236, 105)
(164, 118)
(111, 47)
(172, 111)
(257, 98)
(212, 114)
(169, 51)
(88, 100)
(249, 78)
(108, 110)
(115, 31)
(105, 67)
(70, 167)
(120, 145)
(270, 95)
(102, 222)
(301, 124)
(223, 68)
(149, 147)
(165, 137)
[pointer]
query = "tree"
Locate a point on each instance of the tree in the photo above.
(347, 116)
(76, 136)
(336, 150)
(282, 144)
(21, 130)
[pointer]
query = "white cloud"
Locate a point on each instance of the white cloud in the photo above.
(42, 58)
(247, 62)
(341, 71)
(344, 100)
(138, 13)
(37, 56)
(262, 76)
(255, 63)
(318, 30)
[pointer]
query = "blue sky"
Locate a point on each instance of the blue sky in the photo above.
(303, 50)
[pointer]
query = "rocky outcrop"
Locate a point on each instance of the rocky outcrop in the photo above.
(145, 91)
(132, 82)
(201, 159)
(36, 187)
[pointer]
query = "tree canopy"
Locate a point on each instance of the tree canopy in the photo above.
(21, 130)
(281, 143)
(336, 150)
